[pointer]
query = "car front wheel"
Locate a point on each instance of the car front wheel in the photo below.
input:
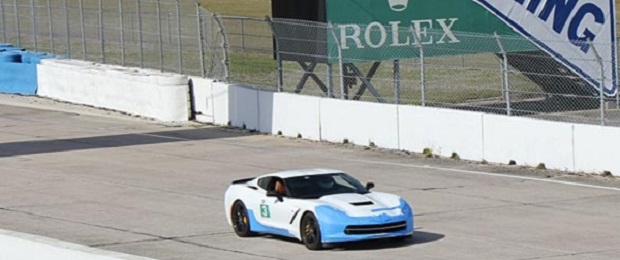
(310, 232)
(240, 219)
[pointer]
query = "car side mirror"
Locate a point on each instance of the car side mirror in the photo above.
(273, 193)
(370, 185)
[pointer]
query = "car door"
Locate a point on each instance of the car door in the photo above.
(280, 211)
(262, 210)
(274, 211)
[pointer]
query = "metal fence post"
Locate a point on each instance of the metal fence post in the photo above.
(340, 61)
(101, 32)
(242, 34)
(133, 28)
(160, 38)
(277, 50)
(68, 29)
(169, 29)
(506, 85)
(178, 9)
(599, 59)
(422, 69)
(83, 27)
(330, 80)
(19, 36)
(330, 69)
(203, 69)
(222, 32)
(51, 23)
(397, 82)
(2, 19)
(122, 21)
(138, 12)
(34, 24)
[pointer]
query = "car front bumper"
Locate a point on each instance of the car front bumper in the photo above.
(337, 227)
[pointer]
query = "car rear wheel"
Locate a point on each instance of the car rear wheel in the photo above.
(310, 232)
(240, 219)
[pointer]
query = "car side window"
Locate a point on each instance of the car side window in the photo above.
(263, 183)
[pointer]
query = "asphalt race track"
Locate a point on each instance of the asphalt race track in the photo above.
(148, 189)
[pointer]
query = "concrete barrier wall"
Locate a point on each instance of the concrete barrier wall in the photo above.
(528, 141)
(139, 92)
(18, 70)
(359, 122)
(220, 101)
(471, 135)
(244, 110)
(17, 78)
(596, 148)
(290, 114)
(444, 131)
(201, 91)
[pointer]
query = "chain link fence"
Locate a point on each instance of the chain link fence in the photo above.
(167, 35)
(501, 74)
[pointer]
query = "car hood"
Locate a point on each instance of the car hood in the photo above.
(373, 203)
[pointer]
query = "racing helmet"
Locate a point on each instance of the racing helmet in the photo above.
(325, 182)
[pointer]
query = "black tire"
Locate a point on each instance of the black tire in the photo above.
(311, 232)
(240, 219)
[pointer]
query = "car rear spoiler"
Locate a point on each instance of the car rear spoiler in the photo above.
(242, 181)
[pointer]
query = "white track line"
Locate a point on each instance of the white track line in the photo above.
(484, 173)
(22, 246)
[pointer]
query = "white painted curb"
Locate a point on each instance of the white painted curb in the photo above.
(21, 246)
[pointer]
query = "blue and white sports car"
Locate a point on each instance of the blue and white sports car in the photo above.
(316, 206)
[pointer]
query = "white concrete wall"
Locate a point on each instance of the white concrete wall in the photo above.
(290, 114)
(202, 95)
(444, 131)
(359, 122)
(139, 92)
(220, 101)
(243, 107)
(472, 135)
(596, 149)
(528, 141)
(20, 246)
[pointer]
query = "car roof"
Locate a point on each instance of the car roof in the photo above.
(302, 172)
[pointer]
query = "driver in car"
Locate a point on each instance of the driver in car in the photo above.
(325, 182)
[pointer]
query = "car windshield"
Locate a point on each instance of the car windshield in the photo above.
(316, 186)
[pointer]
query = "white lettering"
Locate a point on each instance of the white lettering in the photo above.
(421, 30)
(396, 36)
(369, 32)
(355, 36)
(375, 35)
(447, 30)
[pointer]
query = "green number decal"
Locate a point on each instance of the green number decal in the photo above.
(264, 211)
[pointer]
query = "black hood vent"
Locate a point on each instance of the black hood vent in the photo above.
(364, 203)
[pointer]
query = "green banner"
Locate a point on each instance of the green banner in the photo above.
(374, 30)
